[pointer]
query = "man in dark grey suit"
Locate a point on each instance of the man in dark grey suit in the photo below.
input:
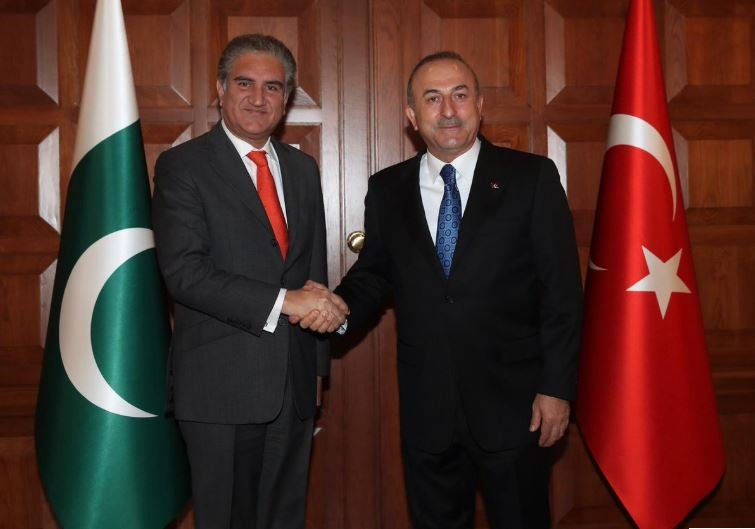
(476, 244)
(239, 228)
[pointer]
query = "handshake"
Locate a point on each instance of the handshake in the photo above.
(315, 307)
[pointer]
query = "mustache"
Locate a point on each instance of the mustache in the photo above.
(449, 122)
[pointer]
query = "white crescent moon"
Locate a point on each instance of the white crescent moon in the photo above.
(88, 277)
(625, 129)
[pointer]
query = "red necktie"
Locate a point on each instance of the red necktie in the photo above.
(269, 197)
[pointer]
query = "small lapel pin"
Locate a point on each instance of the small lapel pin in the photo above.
(495, 185)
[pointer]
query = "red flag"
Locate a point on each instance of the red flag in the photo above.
(646, 406)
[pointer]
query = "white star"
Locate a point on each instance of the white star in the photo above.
(662, 279)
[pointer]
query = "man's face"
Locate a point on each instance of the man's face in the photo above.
(254, 97)
(447, 108)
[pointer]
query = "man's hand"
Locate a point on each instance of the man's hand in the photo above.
(551, 415)
(315, 307)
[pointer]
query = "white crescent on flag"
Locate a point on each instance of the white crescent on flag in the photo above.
(88, 277)
(635, 132)
(625, 129)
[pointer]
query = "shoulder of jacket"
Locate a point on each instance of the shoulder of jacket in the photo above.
(395, 173)
(284, 149)
(194, 147)
(514, 155)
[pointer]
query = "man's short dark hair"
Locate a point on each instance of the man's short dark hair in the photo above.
(257, 43)
(438, 56)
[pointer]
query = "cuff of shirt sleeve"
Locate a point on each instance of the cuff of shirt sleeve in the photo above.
(272, 320)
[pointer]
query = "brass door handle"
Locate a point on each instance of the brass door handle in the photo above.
(355, 241)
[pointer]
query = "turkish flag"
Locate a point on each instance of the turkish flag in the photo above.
(645, 405)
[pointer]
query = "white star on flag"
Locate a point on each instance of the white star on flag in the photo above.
(662, 279)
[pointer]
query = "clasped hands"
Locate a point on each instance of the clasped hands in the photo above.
(315, 307)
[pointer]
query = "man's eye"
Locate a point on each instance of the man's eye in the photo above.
(433, 99)
(244, 84)
(461, 96)
(273, 88)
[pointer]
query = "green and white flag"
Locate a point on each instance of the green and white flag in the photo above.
(108, 456)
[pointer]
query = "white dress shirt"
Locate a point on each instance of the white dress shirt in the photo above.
(243, 148)
(431, 184)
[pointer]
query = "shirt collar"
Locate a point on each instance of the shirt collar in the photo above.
(464, 163)
(243, 148)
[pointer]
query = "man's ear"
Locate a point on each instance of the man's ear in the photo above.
(221, 92)
(409, 111)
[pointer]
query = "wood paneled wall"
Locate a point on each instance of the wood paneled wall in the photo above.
(547, 68)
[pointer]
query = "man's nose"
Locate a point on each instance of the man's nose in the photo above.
(257, 95)
(447, 108)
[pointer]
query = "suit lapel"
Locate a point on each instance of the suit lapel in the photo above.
(291, 195)
(488, 188)
(231, 170)
(414, 214)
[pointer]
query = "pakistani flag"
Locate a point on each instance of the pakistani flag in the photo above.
(108, 456)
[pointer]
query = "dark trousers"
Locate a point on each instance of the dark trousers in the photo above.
(250, 476)
(441, 487)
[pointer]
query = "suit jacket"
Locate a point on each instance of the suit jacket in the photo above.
(223, 268)
(506, 323)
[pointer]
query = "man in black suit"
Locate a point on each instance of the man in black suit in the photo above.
(239, 228)
(488, 307)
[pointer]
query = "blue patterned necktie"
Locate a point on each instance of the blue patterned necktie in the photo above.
(449, 219)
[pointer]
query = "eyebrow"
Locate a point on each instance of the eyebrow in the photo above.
(454, 89)
(270, 82)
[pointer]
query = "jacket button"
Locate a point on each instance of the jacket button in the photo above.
(449, 299)
(273, 242)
